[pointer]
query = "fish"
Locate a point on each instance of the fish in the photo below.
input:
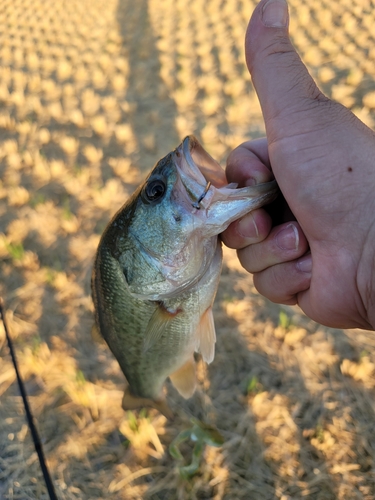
(157, 269)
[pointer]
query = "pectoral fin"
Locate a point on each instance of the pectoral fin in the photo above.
(157, 325)
(184, 379)
(206, 336)
(131, 402)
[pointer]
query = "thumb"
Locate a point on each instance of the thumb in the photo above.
(284, 87)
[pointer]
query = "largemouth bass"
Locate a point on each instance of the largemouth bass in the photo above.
(157, 270)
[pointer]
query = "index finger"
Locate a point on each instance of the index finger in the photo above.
(249, 163)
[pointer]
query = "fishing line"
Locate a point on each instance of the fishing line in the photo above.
(198, 202)
(29, 415)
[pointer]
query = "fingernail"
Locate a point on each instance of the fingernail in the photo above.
(275, 14)
(250, 182)
(288, 238)
(305, 264)
(247, 227)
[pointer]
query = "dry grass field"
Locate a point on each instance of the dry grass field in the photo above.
(92, 93)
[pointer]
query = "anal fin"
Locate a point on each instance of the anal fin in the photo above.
(184, 379)
(206, 336)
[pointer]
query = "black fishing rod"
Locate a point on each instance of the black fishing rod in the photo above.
(29, 415)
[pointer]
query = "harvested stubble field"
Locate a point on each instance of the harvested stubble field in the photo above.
(92, 93)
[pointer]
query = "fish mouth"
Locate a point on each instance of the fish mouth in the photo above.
(197, 169)
(200, 162)
(206, 184)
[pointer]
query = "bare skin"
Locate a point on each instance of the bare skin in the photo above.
(318, 249)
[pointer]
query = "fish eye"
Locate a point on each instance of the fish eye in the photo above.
(154, 190)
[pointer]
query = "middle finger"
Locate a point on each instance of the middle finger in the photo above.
(283, 244)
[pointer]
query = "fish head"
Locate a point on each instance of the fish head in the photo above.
(174, 218)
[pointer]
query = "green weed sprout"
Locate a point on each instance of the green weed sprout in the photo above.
(284, 320)
(16, 250)
(200, 433)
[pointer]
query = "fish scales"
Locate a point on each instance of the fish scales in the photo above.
(157, 270)
(125, 313)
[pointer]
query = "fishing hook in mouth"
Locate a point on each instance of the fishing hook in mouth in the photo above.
(197, 203)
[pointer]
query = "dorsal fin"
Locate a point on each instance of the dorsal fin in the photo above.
(206, 336)
(96, 335)
(184, 379)
(157, 324)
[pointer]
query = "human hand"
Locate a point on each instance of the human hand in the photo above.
(323, 159)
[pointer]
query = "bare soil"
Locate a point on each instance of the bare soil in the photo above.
(92, 93)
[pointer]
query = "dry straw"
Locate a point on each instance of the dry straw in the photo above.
(92, 93)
